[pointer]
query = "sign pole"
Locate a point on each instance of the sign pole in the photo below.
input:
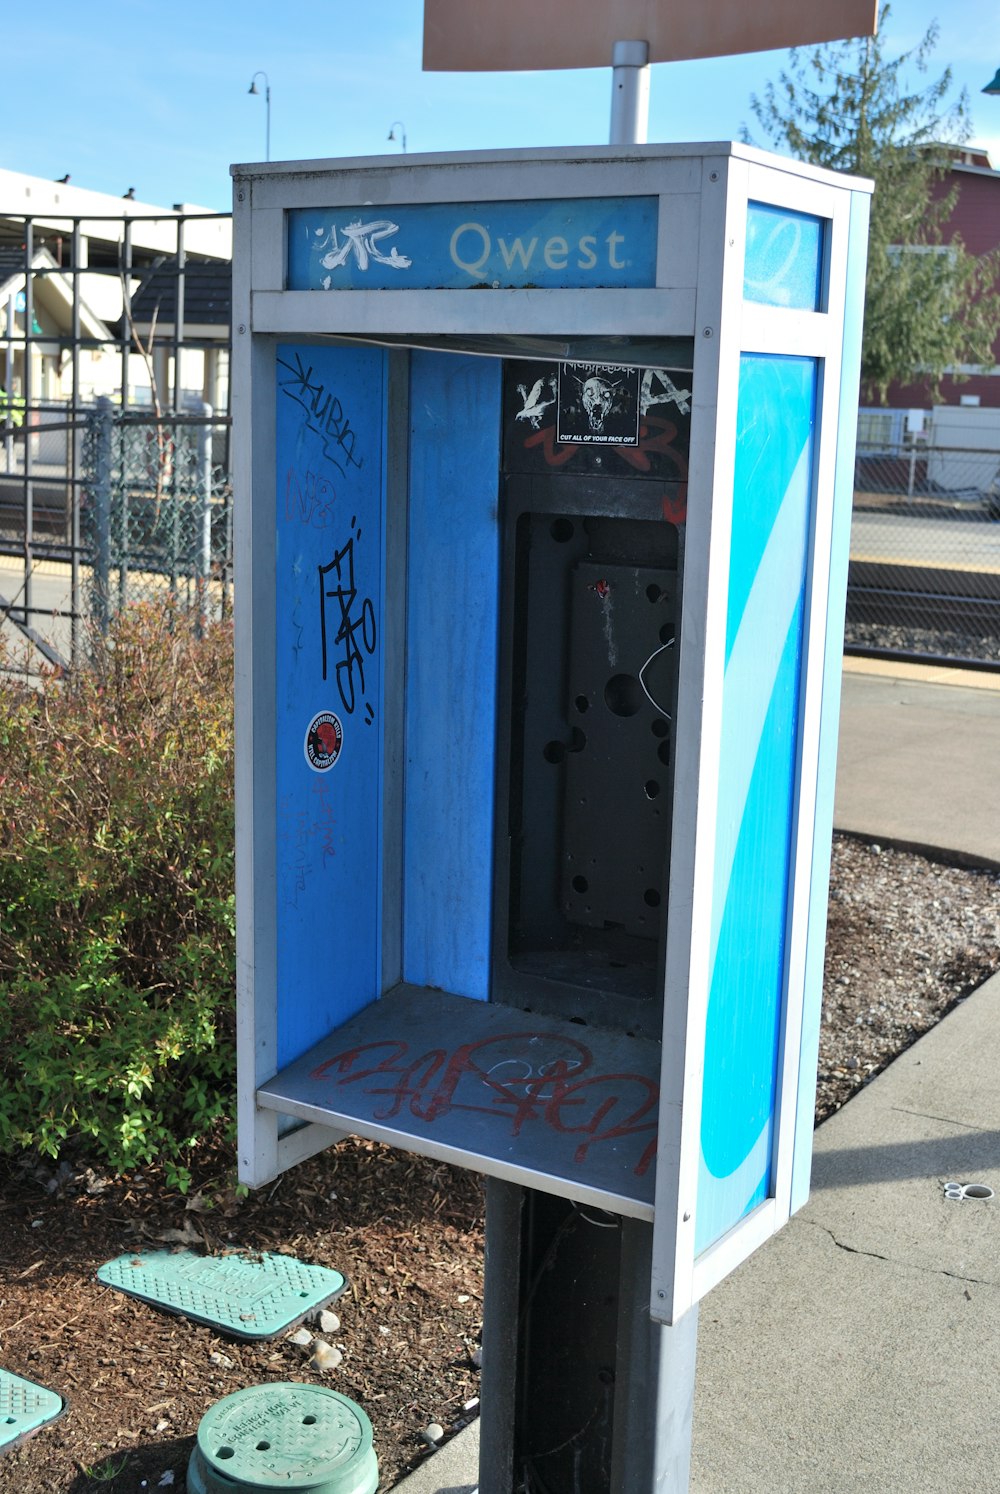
(654, 1392)
(629, 93)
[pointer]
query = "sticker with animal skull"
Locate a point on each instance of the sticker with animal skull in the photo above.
(598, 405)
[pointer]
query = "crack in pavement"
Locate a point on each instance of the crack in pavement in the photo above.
(946, 1120)
(895, 1261)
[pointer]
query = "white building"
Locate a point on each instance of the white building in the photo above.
(89, 290)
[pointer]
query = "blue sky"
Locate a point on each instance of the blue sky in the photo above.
(153, 96)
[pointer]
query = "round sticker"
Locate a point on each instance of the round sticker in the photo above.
(324, 739)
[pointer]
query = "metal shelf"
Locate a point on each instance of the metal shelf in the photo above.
(554, 1105)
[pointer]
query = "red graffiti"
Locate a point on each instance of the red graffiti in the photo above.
(655, 435)
(675, 505)
(554, 1087)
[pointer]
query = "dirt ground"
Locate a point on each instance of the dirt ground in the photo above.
(907, 940)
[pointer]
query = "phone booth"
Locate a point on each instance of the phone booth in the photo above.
(543, 489)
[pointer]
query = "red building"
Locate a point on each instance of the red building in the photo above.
(976, 218)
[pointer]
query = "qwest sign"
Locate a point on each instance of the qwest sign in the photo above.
(575, 244)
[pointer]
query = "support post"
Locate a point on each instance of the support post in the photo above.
(8, 384)
(204, 562)
(629, 93)
(654, 1389)
(102, 510)
(583, 1393)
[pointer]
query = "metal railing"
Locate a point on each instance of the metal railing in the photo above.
(925, 554)
(114, 331)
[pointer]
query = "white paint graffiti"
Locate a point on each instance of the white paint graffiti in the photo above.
(362, 240)
(666, 392)
(534, 405)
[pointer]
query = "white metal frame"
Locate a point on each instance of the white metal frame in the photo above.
(728, 327)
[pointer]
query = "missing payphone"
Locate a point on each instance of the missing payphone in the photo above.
(593, 506)
(594, 501)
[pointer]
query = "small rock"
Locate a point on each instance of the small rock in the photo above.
(325, 1357)
(476, 1355)
(301, 1336)
(329, 1322)
(166, 1480)
(433, 1433)
(222, 1360)
(464, 1297)
(161, 1425)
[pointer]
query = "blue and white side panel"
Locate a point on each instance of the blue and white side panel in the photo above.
(757, 786)
(329, 519)
(765, 572)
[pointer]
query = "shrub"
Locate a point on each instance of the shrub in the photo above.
(117, 949)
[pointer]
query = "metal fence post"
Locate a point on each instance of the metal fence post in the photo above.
(204, 480)
(101, 495)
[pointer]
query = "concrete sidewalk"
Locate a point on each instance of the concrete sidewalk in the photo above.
(860, 1348)
(919, 759)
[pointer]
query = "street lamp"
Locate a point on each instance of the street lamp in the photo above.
(267, 101)
(402, 133)
(993, 87)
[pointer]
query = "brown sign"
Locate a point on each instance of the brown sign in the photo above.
(522, 34)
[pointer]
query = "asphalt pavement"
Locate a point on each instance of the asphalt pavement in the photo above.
(859, 1349)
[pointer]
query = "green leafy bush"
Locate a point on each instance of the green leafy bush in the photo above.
(117, 947)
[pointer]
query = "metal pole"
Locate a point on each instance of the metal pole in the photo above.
(102, 510)
(654, 1390)
(205, 499)
(27, 393)
(8, 382)
(73, 455)
(179, 315)
(582, 1392)
(630, 93)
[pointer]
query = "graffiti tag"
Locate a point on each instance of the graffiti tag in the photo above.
(325, 415)
(351, 623)
(561, 1092)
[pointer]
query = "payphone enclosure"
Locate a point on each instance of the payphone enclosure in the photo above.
(544, 467)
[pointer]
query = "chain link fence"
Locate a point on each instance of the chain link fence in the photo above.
(156, 512)
(925, 551)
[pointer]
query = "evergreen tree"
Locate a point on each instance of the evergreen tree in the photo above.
(930, 306)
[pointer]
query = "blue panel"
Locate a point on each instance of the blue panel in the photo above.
(451, 671)
(784, 258)
(590, 241)
(757, 785)
(833, 669)
(328, 580)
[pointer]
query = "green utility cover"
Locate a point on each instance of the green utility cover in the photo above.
(256, 1296)
(24, 1407)
(285, 1436)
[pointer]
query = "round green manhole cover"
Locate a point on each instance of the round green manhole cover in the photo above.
(290, 1437)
